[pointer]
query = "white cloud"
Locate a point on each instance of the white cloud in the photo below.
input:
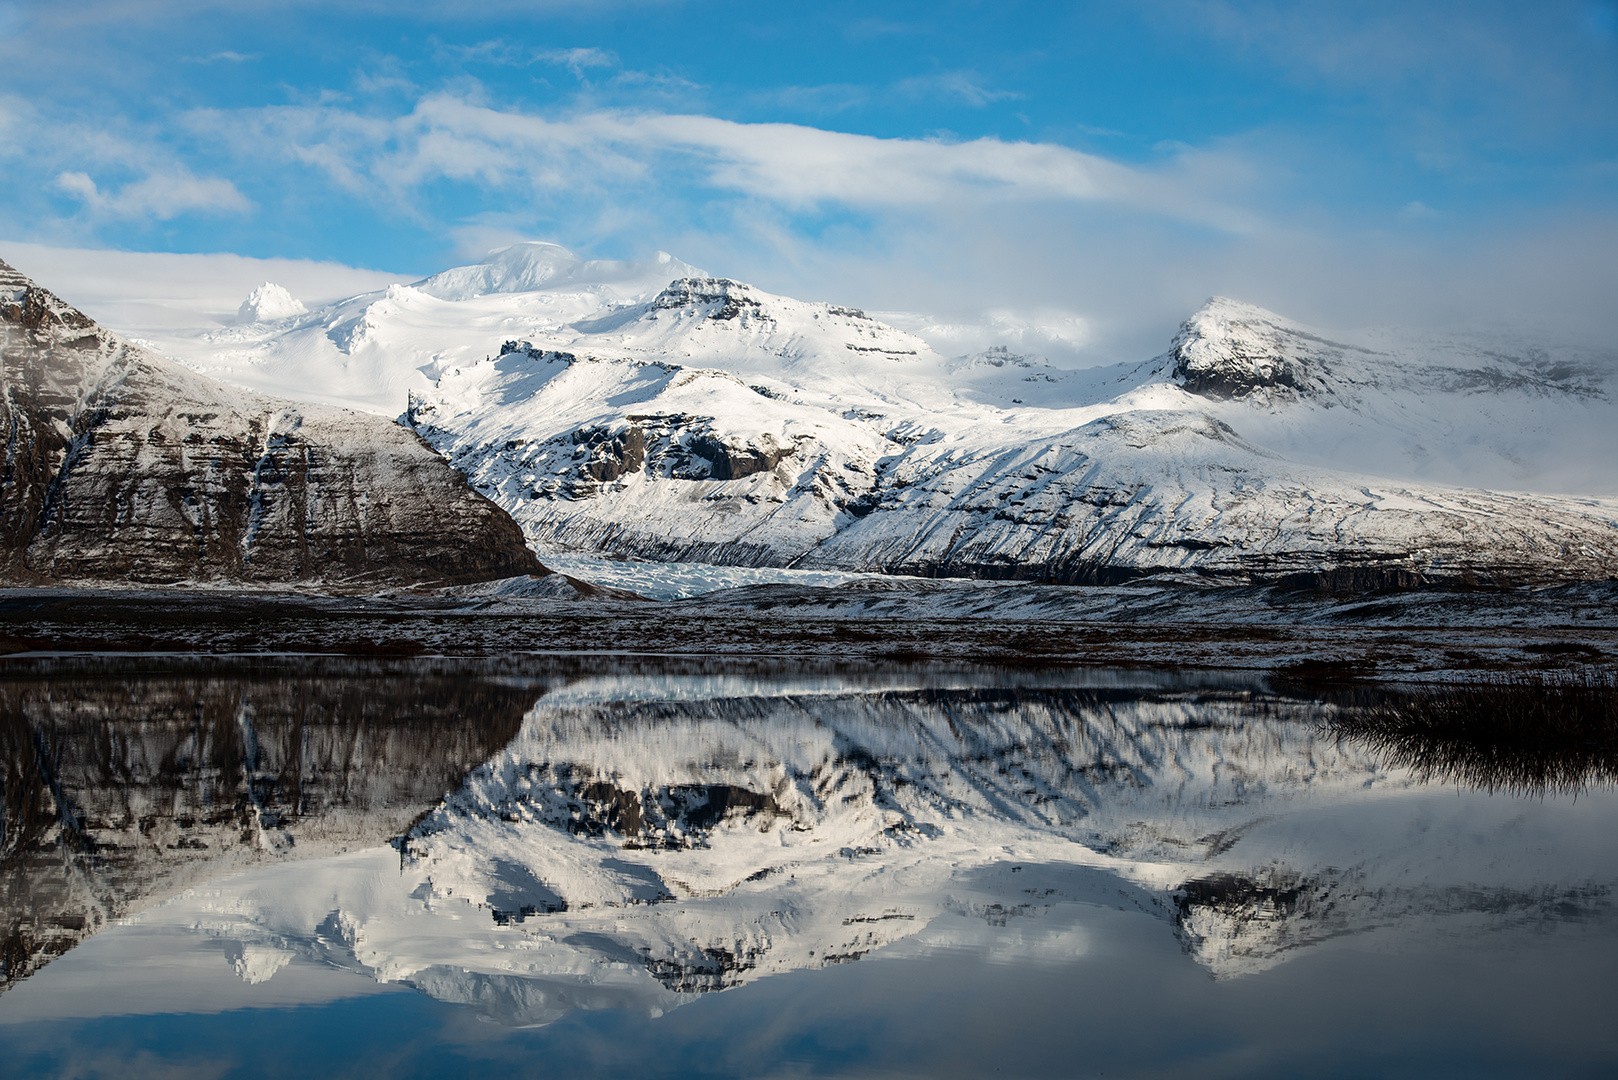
(156, 196)
(151, 293)
(80, 186)
(789, 165)
(1059, 335)
(49, 152)
(801, 166)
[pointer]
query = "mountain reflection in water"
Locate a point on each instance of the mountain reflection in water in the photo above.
(123, 786)
(570, 838)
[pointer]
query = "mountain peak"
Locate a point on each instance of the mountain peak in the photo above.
(1231, 349)
(40, 311)
(268, 303)
(732, 297)
(537, 265)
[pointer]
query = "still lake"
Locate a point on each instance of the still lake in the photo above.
(586, 866)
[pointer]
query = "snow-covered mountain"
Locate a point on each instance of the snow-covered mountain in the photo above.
(370, 351)
(716, 423)
(1481, 409)
(269, 303)
(613, 411)
(120, 465)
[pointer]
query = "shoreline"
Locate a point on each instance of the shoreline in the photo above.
(1417, 636)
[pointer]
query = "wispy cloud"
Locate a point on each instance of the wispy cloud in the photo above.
(579, 60)
(823, 99)
(498, 51)
(162, 197)
(384, 75)
(963, 86)
(794, 166)
(506, 53)
(112, 171)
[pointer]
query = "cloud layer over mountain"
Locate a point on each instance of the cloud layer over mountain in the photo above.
(1431, 163)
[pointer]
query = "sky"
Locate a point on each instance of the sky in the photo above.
(1103, 166)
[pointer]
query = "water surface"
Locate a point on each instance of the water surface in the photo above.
(593, 867)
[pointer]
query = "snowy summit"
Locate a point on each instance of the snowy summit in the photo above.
(269, 303)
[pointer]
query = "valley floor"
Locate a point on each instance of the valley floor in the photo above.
(1421, 635)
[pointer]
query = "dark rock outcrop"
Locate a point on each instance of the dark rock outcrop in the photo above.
(116, 464)
(1234, 350)
(613, 454)
(729, 461)
(734, 298)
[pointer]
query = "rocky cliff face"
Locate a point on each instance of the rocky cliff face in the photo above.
(119, 465)
(1233, 350)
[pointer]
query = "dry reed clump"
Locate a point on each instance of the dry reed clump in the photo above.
(1525, 734)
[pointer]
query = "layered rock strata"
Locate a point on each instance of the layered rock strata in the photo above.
(119, 465)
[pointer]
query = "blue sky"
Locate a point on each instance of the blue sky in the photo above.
(1346, 163)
